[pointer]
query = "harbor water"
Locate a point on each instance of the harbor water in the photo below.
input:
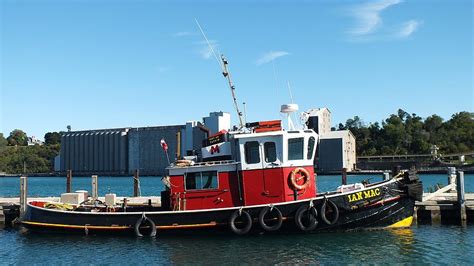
(418, 244)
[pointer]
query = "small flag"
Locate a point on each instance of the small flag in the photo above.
(164, 145)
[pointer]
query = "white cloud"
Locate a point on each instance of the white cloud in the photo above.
(270, 56)
(205, 51)
(368, 16)
(408, 28)
(183, 34)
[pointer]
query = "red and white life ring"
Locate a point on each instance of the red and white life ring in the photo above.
(296, 175)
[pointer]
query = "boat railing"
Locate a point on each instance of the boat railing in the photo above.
(200, 164)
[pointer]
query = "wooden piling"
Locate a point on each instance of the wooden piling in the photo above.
(23, 194)
(344, 176)
(136, 183)
(95, 190)
(68, 181)
(2, 217)
(452, 177)
(461, 197)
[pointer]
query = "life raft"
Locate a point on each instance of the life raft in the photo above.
(183, 163)
(296, 175)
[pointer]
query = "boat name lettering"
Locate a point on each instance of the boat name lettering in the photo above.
(363, 195)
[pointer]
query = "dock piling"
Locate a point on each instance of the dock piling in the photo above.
(68, 181)
(452, 177)
(136, 183)
(23, 194)
(461, 197)
(2, 217)
(344, 176)
(95, 191)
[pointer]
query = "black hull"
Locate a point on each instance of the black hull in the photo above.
(386, 204)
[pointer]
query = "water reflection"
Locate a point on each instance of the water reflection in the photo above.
(423, 244)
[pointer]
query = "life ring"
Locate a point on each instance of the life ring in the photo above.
(294, 179)
(328, 203)
(247, 222)
(263, 223)
(306, 218)
(142, 220)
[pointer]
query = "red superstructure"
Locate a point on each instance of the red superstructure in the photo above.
(265, 166)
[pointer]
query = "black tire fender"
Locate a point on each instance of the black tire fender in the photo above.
(312, 215)
(328, 203)
(142, 220)
(264, 225)
(247, 222)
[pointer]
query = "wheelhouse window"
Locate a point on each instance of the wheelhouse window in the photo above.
(252, 154)
(311, 142)
(201, 180)
(270, 152)
(295, 149)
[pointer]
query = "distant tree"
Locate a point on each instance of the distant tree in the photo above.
(68, 128)
(52, 138)
(3, 141)
(17, 138)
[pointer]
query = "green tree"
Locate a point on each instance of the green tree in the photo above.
(17, 138)
(52, 138)
(3, 141)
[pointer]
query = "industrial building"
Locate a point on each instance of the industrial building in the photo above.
(319, 120)
(337, 149)
(121, 151)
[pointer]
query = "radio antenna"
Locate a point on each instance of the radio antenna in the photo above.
(223, 65)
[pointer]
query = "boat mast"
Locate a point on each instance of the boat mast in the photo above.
(226, 74)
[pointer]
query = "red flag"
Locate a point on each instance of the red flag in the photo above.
(164, 145)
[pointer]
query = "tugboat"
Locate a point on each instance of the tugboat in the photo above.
(258, 178)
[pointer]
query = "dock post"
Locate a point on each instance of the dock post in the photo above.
(461, 197)
(2, 218)
(136, 183)
(23, 194)
(386, 176)
(68, 181)
(452, 176)
(95, 191)
(344, 176)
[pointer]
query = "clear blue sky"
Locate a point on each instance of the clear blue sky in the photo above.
(102, 64)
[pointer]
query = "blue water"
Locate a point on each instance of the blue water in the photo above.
(418, 245)
(424, 244)
(123, 186)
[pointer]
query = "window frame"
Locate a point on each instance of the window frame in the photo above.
(302, 149)
(309, 155)
(265, 151)
(201, 181)
(258, 151)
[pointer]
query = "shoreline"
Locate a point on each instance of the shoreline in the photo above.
(359, 172)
